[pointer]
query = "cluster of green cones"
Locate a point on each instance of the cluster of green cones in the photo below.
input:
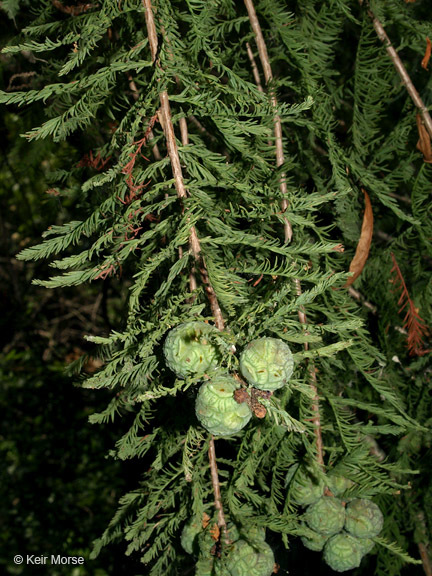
(341, 527)
(246, 554)
(266, 364)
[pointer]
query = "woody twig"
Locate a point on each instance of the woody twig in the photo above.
(194, 243)
(268, 75)
(401, 70)
(255, 71)
(185, 142)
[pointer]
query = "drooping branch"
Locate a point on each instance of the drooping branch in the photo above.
(268, 76)
(424, 555)
(254, 67)
(201, 128)
(194, 243)
(216, 490)
(194, 247)
(401, 70)
(168, 128)
(358, 296)
(151, 28)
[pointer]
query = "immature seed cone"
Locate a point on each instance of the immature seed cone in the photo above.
(267, 363)
(246, 560)
(365, 545)
(253, 534)
(327, 516)
(339, 484)
(188, 351)
(304, 487)
(363, 518)
(216, 408)
(189, 535)
(342, 552)
(314, 542)
(210, 566)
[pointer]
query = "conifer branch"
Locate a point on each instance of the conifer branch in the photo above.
(401, 70)
(168, 128)
(423, 546)
(135, 95)
(268, 76)
(151, 28)
(316, 419)
(194, 244)
(254, 67)
(424, 555)
(358, 296)
(184, 131)
(201, 128)
(216, 490)
(185, 142)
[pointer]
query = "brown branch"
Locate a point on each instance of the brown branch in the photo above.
(195, 247)
(424, 545)
(201, 128)
(424, 555)
(216, 490)
(358, 296)
(426, 58)
(405, 199)
(255, 73)
(184, 131)
(418, 102)
(254, 68)
(424, 141)
(168, 128)
(211, 296)
(151, 28)
(268, 76)
(19, 75)
(259, 38)
(194, 244)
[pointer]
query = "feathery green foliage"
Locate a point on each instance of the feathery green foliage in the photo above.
(347, 124)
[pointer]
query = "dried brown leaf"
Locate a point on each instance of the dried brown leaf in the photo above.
(206, 520)
(414, 324)
(426, 57)
(424, 142)
(215, 532)
(363, 246)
